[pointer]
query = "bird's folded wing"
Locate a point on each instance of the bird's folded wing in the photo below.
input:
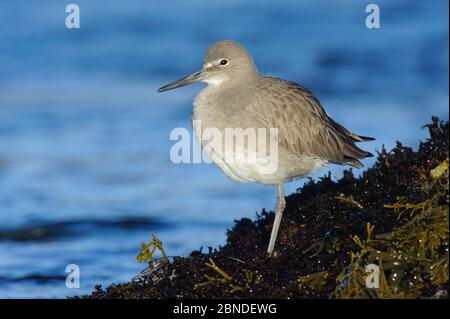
(304, 127)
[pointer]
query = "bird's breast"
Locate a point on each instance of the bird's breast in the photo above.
(217, 131)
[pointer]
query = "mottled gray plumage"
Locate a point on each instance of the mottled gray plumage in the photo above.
(304, 126)
(237, 97)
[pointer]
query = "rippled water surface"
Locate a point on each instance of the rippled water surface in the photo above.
(85, 173)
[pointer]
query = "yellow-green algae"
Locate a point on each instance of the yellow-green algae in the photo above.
(415, 255)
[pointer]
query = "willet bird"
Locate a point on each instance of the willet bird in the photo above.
(238, 97)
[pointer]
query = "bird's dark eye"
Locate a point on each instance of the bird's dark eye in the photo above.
(223, 62)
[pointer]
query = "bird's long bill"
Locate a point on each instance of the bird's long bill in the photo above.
(195, 77)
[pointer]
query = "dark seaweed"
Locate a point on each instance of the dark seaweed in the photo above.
(394, 215)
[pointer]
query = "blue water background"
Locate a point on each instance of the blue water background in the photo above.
(85, 172)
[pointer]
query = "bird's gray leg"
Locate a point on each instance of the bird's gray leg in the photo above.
(281, 204)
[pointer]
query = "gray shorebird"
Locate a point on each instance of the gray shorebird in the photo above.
(238, 97)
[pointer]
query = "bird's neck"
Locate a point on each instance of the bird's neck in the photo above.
(225, 99)
(236, 93)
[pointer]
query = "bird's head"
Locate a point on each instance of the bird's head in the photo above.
(224, 60)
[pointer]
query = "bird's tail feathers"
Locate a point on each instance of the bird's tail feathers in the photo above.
(354, 137)
(360, 138)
